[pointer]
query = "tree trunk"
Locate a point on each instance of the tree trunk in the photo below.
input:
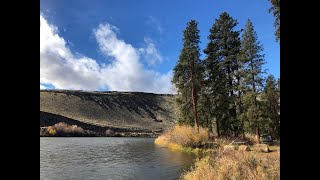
(230, 81)
(258, 135)
(239, 110)
(194, 100)
(211, 126)
(194, 97)
(255, 101)
(217, 124)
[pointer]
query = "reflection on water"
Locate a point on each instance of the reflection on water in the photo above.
(109, 158)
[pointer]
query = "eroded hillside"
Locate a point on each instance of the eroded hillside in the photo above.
(123, 110)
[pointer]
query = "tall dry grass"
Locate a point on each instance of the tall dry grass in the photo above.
(184, 136)
(236, 165)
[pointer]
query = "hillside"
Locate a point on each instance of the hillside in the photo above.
(98, 111)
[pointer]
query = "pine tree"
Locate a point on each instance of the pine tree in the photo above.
(221, 65)
(275, 9)
(271, 98)
(181, 81)
(253, 59)
(188, 73)
(240, 90)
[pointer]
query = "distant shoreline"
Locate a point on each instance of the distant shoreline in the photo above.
(63, 130)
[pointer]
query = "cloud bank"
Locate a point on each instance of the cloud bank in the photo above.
(62, 69)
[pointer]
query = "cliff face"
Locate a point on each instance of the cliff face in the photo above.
(115, 110)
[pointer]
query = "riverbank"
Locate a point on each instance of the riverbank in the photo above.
(222, 159)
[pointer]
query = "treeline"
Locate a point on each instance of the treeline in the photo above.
(226, 91)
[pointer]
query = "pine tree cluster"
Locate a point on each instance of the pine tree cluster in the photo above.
(226, 91)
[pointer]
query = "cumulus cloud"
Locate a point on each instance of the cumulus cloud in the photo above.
(150, 52)
(63, 70)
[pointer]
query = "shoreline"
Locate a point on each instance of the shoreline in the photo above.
(110, 133)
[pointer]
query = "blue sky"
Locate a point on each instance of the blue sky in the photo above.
(149, 30)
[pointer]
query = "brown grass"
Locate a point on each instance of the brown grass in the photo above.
(219, 164)
(236, 165)
(185, 136)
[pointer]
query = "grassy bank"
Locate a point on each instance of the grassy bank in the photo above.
(184, 139)
(236, 165)
(221, 163)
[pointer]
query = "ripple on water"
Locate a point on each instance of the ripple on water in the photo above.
(109, 158)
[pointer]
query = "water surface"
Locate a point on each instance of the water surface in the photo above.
(109, 158)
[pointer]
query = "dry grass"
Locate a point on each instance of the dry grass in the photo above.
(250, 138)
(184, 139)
(236, 165)
(184, 136)
(219, 164)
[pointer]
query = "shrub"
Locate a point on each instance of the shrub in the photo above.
(62, 128)
(51, 131)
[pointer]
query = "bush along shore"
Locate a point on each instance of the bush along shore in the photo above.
(62, 129)
(223, 158)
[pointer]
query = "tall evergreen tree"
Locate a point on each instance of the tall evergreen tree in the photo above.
(181, 81)
(221, 64)
(275, 9)
(188, 72)
(272, 106)
(253, 59)
(240, 90)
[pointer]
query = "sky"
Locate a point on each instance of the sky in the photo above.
(99, 45)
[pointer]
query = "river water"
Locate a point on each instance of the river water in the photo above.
(109, 158)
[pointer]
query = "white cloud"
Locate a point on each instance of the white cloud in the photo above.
(59, 67)
(63, 70)
(150, 52)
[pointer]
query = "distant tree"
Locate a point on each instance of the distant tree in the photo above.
(271, 98)
(220, 66)
(253, 59)
(188, 72)
(275, 9)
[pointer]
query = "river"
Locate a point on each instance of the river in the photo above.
(109, 158)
